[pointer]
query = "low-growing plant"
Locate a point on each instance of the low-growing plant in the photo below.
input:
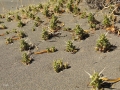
(21, 24)
(91, 18)
(79, 33)
(57, 9)
(83, 15)
(37, 19)
(31, 15)
(21, 34)
(36, 24)
(26, 59)
(103, 44)
(45, 34)
(51, 50)
(70, 47)
(53, 22)
(9, 40)
(2, 26)
(40, 6)
(99, 82)
(46, 11)
(106, 22)
(58, 65)
(96, 80)
(24, 45)
(9, 19)
(76, 10)
(48, 50)
(17, 17)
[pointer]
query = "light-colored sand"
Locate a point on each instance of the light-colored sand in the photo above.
(39, 75)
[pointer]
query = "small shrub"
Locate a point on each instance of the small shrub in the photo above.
(26, 59)
(45, 35)
(96, 81)
(51, 50)
(20, 24)
(106, 22)
(3, 26)
(9, 41)
(53, 22)
(24, 45)
(79, 33)
(91, 18)
(103, 44)
(70, 47)
(21, 34)
(59, 66)
(46, 11)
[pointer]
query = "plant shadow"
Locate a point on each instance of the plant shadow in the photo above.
(112, 48)
(107, 85)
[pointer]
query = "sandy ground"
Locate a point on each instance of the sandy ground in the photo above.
(39, 75)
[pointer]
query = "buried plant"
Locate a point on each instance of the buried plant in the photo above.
(103, 44)
(58, 65)
(48, 50)
(70, 47)
(79, 33)
(26, 59)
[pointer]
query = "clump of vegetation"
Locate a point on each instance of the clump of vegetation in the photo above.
(91, 18)
(57, 9)
(51, 50)
(58, 65)
(9, 19)
(92, 21)
(9, 40)
(79, 33)
(31, 15)
(70, 6)
(106, 21)
(24, 45)
(36, 24)
(21, 34)
(45, 34)
(46, 11)
(53, 23)
(96, 80)
(21, 24)
(70, 47)
(2, 26)
(103, 44)
(26, 59)
(40, 6)
(76, 10)
(83, 15)
(48, 50)
(17, 17)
